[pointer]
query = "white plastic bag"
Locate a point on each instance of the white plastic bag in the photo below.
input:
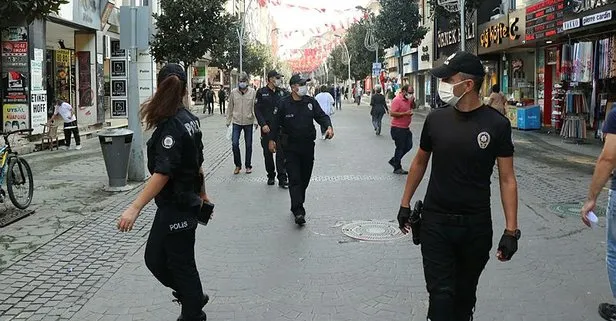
(229, 132)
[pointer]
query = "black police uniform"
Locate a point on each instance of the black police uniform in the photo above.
(293, 127)
(456, 232)
(267, 99)
(176, 150)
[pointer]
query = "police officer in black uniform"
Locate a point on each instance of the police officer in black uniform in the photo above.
(267, 98)
(464, 142)
(293, 128)
(175, 156)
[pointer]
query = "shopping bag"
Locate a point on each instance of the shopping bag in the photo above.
(229, 132)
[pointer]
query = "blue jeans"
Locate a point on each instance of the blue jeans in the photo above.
(611, 241)
(235, 143)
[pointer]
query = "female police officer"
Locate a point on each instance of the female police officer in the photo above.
(175, 155)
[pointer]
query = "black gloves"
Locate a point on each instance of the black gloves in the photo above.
(508, 245)
(404, 217)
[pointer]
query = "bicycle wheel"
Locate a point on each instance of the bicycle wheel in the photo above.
(19, 180)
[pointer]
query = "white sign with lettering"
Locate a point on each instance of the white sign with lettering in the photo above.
(571, 24)
(597, 17)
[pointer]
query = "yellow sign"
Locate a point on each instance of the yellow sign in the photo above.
(495, 34)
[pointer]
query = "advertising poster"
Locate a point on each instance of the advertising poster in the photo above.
(38, 110)
(85, 79)
(15, 116)
(118, 108)
(15, 70)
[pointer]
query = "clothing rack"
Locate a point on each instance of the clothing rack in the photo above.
(574, 127)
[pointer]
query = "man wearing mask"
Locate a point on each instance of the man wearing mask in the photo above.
(293, 128)
(401, 115)
(241, 114)
(268, 98)
(456, 228)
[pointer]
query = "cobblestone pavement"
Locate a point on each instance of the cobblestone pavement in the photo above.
(257, 265)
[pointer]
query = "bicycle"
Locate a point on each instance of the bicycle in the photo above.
(18, 170)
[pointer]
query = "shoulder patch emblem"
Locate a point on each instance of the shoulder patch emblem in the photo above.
(309, 106)
(168, 142)
(483, 139)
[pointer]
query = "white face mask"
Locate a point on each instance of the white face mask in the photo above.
(243, 85)
(302, 90)
(277, 82)
(445, 91)
(408, 96)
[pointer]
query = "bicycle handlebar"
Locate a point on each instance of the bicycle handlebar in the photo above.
(7, 134)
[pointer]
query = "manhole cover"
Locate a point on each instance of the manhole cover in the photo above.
(377, 231)
(572, 209)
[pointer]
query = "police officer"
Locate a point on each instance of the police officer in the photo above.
(464, 141)
(293, 129)
(267, 98)
(175, 155)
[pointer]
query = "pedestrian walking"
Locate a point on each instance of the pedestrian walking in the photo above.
(211, 100)
(378, 110)
(293, 128)
(456, 224)
(346, 93)
(402, 113)
(205, 97)
(326, 101)
(66, 111)
(604, 167)
(268, 99)
(241, 114)
(222, 97)
(175, 156)
(338, 98)
(358, 93)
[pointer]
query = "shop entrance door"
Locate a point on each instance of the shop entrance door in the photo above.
(60, 77)
(421, 90)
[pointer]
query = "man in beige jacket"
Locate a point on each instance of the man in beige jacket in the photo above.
(241, 113)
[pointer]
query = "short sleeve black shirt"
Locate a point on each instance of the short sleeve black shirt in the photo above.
(176, 150)
(464, 147)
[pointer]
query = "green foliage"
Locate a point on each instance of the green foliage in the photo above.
(28, 10)
(188, 29)
(398, 23)
(453, 17)
(256, 56)
(361, 58)
(338, 62)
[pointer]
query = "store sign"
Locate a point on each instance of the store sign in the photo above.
(452, 37)
(544, 19)
(38, 111)
(571, 24)
(597, 18)
(426, 51)
(118, 108)
(495, 34)
(579, 6)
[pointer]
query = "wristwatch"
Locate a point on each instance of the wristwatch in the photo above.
(517, 233)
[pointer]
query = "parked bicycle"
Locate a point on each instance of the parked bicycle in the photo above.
(17, 173)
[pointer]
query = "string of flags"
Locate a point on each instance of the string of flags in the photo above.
(263, 3)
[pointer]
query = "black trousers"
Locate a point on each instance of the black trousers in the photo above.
(403, 139)
(210, 107)
(454, 255)
(269, 160)
(222, 106)
(71, 129)
(170, 256)
(299, 164)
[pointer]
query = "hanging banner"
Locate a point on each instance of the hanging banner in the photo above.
(15, 116)
(38, 111)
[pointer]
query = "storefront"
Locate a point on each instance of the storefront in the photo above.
(424, 65)
(585, 70)
(511, 68)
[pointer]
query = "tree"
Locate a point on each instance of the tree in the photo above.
(27, 10)
(361, 58)
(398, 24)
(256, 56)
(226, 53)
(338, 62)
(188, 29)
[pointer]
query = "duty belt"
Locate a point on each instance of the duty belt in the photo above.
(456, 219)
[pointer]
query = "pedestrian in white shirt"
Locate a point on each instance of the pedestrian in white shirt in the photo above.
(326, 101)
(65, 110)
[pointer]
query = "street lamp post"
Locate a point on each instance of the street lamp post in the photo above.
(348, 60)
(241, 30)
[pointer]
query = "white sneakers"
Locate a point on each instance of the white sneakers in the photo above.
(73, 147)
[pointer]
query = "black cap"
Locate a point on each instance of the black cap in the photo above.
(273, 73)
(297, 79)
(171, 70)
(461, 61)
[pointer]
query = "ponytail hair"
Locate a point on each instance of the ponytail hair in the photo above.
(165, 102)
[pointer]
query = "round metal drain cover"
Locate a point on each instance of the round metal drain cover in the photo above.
(572, 209)
(376, 231)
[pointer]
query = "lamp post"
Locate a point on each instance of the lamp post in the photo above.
(370, 42)
(241, 30)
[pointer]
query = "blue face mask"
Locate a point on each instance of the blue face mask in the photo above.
(243, 85)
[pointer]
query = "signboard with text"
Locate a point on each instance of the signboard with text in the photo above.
(502, 33)
(582, 16)
(544, 19)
